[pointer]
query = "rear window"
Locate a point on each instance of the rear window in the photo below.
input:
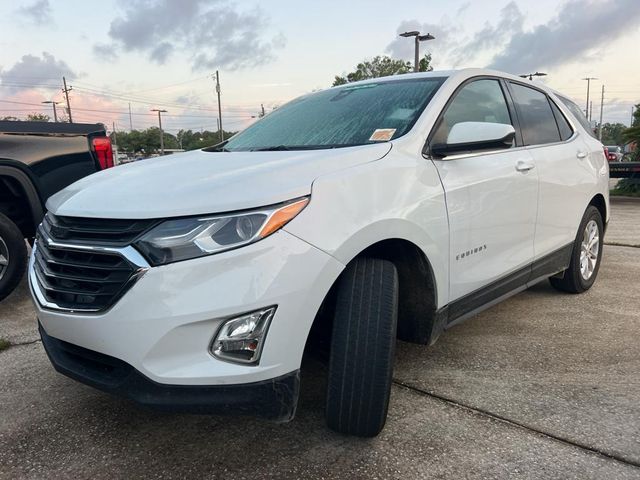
(537, 122)
(578, 114)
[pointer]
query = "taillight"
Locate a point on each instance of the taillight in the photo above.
(606, 154)
(104, 152)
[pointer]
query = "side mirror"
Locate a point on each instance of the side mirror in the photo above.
(468, 137)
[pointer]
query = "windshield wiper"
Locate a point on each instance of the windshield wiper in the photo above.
(276, 148)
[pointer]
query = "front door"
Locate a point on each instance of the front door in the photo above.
(491, 200)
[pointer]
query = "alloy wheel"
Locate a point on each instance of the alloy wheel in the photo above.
(4, 258)
(589, 250)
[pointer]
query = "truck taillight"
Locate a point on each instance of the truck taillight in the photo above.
(104, 152)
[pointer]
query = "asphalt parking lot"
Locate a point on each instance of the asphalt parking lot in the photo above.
(544, 385)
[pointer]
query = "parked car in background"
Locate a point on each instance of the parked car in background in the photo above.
(37, 159)
(614, 153)
(390, 208)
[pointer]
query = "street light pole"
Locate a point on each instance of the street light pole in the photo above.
(588, 79)
(531, 75)
(55, 113)
(160, 125)
(417, 39)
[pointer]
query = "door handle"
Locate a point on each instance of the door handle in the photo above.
(524, 166)
(581, 155)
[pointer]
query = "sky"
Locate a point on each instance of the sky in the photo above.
(162, 53)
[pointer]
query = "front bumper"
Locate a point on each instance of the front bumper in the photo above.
(163, 326)
(275, 399)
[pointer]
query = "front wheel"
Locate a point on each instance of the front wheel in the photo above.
(585, 257)
(13, 256)
(363, 348)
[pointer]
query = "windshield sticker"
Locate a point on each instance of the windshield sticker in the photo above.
(382, 134)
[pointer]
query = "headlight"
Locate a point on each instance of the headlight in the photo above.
(185, 238)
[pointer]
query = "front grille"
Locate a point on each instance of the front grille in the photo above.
(94, 231)
(81, 280)
(73, 267)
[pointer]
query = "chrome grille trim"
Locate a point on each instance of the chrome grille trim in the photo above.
(38, 275)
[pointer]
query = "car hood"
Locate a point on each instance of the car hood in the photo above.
(200, 182)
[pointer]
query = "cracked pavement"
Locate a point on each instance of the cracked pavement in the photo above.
(544, 385)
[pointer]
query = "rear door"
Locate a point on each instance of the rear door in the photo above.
(491, 199)
(564, 171)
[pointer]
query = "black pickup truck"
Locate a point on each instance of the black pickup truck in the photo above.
(37, 159)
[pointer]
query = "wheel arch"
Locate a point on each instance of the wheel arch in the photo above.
(25, 195)
(419, 320)
(600, 203)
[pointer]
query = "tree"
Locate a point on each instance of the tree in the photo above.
(38, 117)
(612, 133)
(632, 134)
(148, 141)
(382, 66)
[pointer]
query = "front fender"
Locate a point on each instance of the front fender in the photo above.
(397, 197)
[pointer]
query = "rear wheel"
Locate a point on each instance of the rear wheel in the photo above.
(362, 348)
(13, 256)
(585, 257)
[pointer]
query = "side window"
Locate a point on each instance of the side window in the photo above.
(578, 114)
(479, 101)
(563, 125)
(536, 117)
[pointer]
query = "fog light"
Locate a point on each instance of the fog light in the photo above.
(240, 339)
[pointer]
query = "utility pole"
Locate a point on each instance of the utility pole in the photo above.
(631, 122)
(219, 107)
(160, 125)
(588, 79)
(130, 121)
(55, 113)
(417, 39)
(601, 108)
(590, 111)
(66, 94)
(115, 137)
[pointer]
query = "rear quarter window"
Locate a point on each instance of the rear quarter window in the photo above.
(578, 115)
(563, 125)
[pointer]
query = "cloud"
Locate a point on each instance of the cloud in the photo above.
(30, 70)
(38, 12)
(213, 34)
(579, 30)
(105, 51)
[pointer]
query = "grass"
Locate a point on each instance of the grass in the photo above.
(627, 187)
(4, 344)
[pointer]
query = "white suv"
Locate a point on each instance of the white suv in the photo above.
(389, 208)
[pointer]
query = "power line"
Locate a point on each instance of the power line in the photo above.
(124, 112)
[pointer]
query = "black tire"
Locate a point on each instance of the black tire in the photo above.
(362, 348)
(572, 281)
(14, 249)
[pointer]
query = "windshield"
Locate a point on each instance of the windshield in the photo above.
(341, 117)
